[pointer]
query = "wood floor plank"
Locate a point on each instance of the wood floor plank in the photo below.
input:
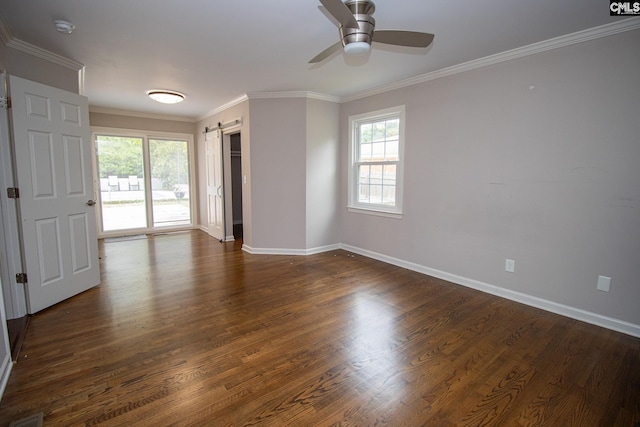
(187, 331)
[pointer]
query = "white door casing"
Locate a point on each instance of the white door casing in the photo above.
(5, 349)
(11, 252)
(57, 218)
(215, 186)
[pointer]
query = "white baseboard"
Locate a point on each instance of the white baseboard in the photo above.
(284, 251)
(4, 375)
(226, 239)
(554, 307)
(551, 306)
(321, 249)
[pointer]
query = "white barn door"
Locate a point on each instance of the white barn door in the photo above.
(52, 147)
(215, 186)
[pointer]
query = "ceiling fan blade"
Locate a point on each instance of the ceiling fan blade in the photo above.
(341, 12)
(326, 53)
(403, 38)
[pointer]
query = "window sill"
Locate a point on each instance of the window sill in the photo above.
(375, 212)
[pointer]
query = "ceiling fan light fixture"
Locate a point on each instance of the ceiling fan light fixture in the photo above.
(357, 30)
(357, 48)
(166, 96)
(65, 27)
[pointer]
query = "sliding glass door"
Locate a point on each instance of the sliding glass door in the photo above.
(169, 161)
(144, 182)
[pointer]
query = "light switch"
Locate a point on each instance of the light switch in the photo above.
(509, 265)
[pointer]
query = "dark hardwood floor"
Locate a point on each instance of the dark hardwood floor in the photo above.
(186, 331)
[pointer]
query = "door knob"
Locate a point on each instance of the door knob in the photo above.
(91, 202)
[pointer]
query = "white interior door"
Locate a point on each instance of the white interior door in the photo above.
(215, 188)
(53, 160)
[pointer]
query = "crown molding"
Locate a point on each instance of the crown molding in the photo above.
(323, 97)
(128, 113)
(220, 109)
(270, 95)
(5, 33)
(294, 94)
(578, 37)
(44, 54)
(555, 43)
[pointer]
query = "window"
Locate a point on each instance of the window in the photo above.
(375, 174)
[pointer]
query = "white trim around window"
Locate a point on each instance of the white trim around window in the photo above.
(376, 159)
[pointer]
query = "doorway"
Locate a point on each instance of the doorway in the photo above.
(224, 181)
(236, 184)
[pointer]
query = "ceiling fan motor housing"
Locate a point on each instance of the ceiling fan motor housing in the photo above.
(361, 7)
(362, 11)
(362, 34)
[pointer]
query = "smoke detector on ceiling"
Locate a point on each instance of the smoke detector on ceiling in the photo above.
(65, 27)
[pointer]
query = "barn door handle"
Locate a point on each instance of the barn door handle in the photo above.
(91, 202)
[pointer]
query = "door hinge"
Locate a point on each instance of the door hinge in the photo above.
(21, 278)
(5, 102)
(13, 193)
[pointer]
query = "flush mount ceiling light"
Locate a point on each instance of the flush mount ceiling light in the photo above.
(166, 96)
(65, 27)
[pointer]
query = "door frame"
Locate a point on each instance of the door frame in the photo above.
(228, 179)
(15, 300)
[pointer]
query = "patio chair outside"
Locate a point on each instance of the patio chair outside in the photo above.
(113, 183)
(134, 184)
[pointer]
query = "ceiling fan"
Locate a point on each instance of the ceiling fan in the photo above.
(357, 30)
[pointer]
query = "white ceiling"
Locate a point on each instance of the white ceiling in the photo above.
(215, 51)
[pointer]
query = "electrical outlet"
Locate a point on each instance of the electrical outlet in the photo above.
(604, 283)
(509, 265)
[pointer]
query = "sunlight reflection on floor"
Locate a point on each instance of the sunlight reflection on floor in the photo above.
(374, 348)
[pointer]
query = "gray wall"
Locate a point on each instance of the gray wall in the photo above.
(125, 120)
(295, 173)
(534, 159)
(322, 174)
(278, 168)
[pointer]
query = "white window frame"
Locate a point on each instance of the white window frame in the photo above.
(369, 208)
(145, 135)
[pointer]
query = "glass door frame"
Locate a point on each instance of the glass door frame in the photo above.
(145, 136)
